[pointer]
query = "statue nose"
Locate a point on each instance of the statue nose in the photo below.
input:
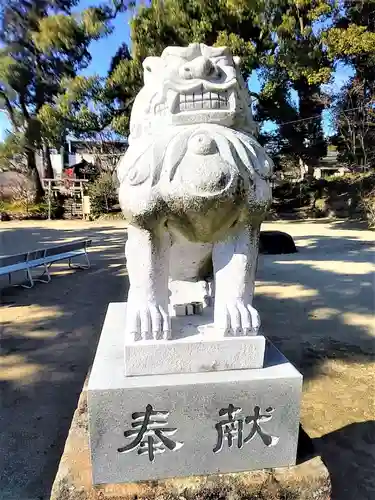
(198, 68)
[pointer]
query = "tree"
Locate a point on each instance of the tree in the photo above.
(278, 37)
(354, 119)
(299, 64)
(106, 148)
(241, 25)
(351, 40)
(124, 80)
(43, 43)
(12, 154)
(93, 105)
(103, 194)
(163, 23)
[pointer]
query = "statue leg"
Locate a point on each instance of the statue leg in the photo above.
(235, 262)
(147, 256)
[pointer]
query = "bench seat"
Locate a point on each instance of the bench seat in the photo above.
(44, 257)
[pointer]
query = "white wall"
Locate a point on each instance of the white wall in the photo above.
(57, 165)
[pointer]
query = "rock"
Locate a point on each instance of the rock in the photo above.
(4, 216)
(271, 242)
(276, 242)
(307, 481)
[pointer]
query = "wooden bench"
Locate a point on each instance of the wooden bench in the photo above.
(44, 258)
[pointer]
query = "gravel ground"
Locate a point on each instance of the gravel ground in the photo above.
(316, 305)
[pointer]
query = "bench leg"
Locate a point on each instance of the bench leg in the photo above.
(80, 266)
(30, 279)
(45, 272)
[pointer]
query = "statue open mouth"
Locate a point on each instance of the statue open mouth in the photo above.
(202, 100)
(196, 101)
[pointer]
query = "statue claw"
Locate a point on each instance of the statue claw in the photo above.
(237, 319)
(147, 321)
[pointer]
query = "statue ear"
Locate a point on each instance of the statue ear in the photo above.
(151, 65)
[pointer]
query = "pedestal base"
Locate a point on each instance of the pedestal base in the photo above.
(310, 480)
(158, 426)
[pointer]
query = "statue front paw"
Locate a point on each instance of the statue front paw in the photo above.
(236, 318)
(147, 320)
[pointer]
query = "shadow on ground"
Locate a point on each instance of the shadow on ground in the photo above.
(351, 479)
(315, 306)
(319, 304)
(49, 336)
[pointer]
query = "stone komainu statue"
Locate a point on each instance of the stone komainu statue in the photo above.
(193, 176)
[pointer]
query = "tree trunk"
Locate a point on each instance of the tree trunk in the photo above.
(34, 176)
(310, 171)
(311, 105)
(47, 162)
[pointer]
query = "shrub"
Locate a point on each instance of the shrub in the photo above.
(320, 194)
(103, 194)
(19, 210)
(112, 216)
(368, 206)
(57, 208)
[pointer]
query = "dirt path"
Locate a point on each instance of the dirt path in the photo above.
(317, 306)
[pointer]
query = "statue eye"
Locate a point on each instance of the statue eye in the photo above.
(216, 72)
(212, 70)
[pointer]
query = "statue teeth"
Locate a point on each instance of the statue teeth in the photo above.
(202, 100)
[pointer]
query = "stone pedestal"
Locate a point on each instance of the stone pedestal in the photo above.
(187, 424)
(309, 480)
(193, 348)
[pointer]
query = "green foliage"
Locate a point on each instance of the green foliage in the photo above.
(350, 41)
(21, 210)
(124, 81)
(93, 23)
(91, 104)
(350, 195)
(279, 37)
(320, 204)
(368, 205)
(103, 194)
(43, 44)
(238, 24)
(352, 36)
(66, 33)
(57, 208)
(72, 110)
(300, 63)
(12, 153)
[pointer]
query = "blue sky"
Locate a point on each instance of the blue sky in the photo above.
(103, 50)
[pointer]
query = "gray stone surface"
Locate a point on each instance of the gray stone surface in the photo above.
(198, 355)
(194, 350)
(309, 480)
(193, 402)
